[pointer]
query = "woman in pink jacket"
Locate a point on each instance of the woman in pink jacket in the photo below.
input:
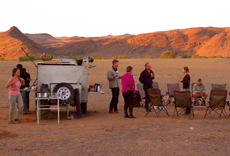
(128, 90)
(15, 83)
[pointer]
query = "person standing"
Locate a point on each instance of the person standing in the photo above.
(146, 77)
(23, 93)
(185, 79)
(128, 90)
(186, 84)
(112, 76)
(27, 84)
(19, 66)
(14, 95)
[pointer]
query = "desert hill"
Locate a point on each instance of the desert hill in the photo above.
(204, 41)
(11, 42)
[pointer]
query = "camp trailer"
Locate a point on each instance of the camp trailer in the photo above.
(62, 77)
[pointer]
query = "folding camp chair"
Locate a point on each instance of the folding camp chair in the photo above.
(182, 102)
(217, 103)
(155, 85)
(200, 97)
(142, 94)
(156, 101)
(219, 86)
(171, 88)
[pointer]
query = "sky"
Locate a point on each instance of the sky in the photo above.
(91, 18)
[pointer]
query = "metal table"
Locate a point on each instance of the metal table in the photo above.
(47, 98)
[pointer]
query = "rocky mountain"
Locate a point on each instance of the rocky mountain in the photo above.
(11, 42)
(204, 41)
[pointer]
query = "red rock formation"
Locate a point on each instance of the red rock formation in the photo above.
(11, 42)
(207, 41)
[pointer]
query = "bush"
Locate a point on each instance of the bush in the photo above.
(216, 56)
(197, 56)
(26, 58)
(168, 54)
(79, 58)
(186, 56)
(72, 57)
(96, 57)
(123, 57)
(1, 58)
(104, 58)
(189, 56)
(148, 57)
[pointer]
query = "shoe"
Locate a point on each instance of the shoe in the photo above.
(11, 122)
(116, 111)
(132, 116)
(196, 103)
(111, 112)
(126, 116)
(18, 121)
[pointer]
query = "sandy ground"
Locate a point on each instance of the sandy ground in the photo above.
(101, 133)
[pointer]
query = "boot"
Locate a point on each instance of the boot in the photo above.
(131, 112)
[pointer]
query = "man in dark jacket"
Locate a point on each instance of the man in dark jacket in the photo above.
(146, 78)
(27, 84)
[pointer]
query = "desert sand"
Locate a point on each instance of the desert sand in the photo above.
(101, 133)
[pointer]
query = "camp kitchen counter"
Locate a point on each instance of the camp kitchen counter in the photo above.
(52, 97)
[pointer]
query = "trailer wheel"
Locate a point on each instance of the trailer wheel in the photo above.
(65, 91)
(83, 108)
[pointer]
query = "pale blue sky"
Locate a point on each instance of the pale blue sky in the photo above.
(110, 17)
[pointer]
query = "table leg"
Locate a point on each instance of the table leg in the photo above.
(37, 112)
(58, 112)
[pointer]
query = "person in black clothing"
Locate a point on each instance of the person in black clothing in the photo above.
(27, 84)
(186, 83)
(146, 77)
(19, 66)
(25, 95)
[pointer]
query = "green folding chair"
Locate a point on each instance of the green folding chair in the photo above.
(182, 101)
(217, 103)
(157, 102)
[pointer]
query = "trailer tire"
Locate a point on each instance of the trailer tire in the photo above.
(83, 108)
(65, 92)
